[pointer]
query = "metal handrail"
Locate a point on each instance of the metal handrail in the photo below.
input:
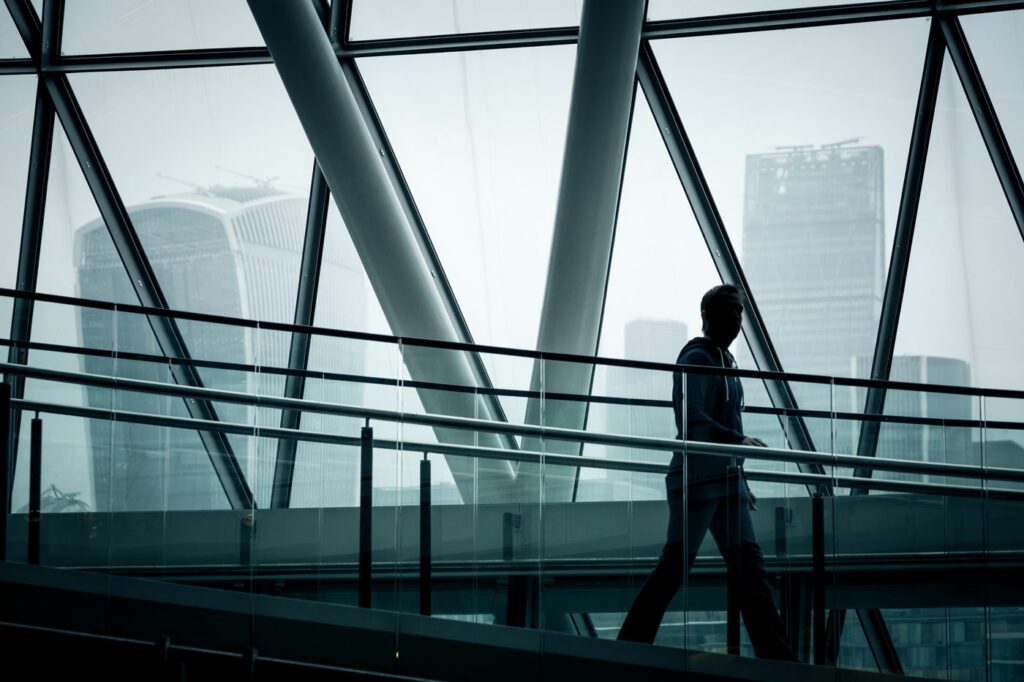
(514, 352)
(505, 392)
(475, 424)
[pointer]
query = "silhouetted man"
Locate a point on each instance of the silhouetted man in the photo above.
(713, 405)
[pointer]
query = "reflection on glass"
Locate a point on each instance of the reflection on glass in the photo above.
(375, 19)
(100, 26)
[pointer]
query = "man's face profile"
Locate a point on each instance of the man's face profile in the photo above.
(723, 319)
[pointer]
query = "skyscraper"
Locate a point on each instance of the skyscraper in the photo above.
(226, 251)
(813, 252)
(925, 442)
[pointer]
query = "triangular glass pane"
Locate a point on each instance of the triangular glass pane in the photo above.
(17, 102)
(77, 255)
(803, 137)
(112, 467)
(377, 19)
(102, 26)
(214, 168)
(966, 269)
(11, 44)
(995, 40)
(660, 269)
(482, 155)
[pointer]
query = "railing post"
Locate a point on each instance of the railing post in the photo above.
(509, 524)
(734, 580)
(366, 516)
(35, 476)
(818, 575)
(425, 550)
(788, 606)
(5, 464)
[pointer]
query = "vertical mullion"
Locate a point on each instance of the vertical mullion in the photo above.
(29, 249)
(52, 32)
(899, 262)
(298, 354)
(341, 20)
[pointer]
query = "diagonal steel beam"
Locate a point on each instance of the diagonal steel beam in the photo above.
(140, 272)
(298, 354)
(28, 253)
(331, 114)
(985, 115)
(706, 212)
(899, 262)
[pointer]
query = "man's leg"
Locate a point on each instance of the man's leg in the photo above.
(644, 617)
(756, 604)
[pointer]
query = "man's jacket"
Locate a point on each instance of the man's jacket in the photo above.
(713, 405)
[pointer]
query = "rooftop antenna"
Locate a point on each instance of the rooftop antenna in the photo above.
(794, 147)
(837, 145)
(196, 186)
(259, 182)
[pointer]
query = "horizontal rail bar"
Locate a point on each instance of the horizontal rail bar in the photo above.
(169, 59)
(506, 392)
(514, 352)
(529, 457)
(474, 424)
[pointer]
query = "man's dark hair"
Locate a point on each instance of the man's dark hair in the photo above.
(722, 295)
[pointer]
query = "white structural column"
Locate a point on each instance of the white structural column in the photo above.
(588, 198)
(383, 238)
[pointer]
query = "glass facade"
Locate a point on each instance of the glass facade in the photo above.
(224, 444)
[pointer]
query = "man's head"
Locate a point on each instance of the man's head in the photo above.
(721, 310)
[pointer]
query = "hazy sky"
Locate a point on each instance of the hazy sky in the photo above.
(480, 137)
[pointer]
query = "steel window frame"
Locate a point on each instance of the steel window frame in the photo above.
(676, 28)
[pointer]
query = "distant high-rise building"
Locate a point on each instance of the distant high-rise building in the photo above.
(813, 253)
(924, 442)
(227, 251)
(651, 341)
